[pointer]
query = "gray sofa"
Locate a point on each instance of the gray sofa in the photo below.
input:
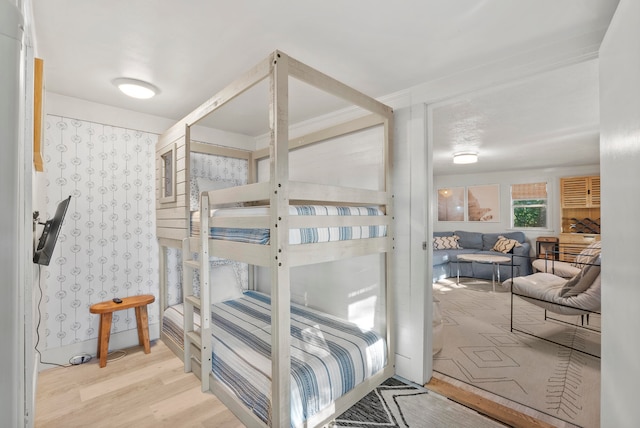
(445, 261)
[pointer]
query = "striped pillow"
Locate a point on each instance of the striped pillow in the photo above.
(504, 245)
(446, 243)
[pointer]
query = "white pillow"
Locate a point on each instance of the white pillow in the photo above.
(224, 281)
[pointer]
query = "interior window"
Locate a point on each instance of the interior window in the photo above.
(529, 205)
(168, 175)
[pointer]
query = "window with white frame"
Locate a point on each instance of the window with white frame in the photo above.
(529, 206)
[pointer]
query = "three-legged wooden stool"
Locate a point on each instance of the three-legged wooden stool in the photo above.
(106, 310)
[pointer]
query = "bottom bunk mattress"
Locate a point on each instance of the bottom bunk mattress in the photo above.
(329, 356)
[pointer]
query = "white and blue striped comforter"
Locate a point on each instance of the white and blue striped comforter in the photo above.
(304, 235)
(328, 356)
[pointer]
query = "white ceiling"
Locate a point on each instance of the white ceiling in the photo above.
(192, 49)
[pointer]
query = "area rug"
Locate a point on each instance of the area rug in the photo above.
(399, 404)
(478, 348)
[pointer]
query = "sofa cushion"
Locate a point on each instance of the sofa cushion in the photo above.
(442, 234)
(440, 258)
(470, 240)
(490, 239)
(452, 255)
(446, 242)
(504, 245)
(558, 268)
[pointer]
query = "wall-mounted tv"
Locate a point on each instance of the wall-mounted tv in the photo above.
(49, 237)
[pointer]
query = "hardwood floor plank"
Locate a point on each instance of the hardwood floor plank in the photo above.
(177, 404)
(127, 378)
(141, 390)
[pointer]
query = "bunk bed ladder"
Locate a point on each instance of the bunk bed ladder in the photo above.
(201, 337)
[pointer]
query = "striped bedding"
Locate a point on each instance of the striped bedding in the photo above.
(329, 356)
(297, 236)
(173, 323)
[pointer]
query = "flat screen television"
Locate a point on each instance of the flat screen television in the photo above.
(49, 237)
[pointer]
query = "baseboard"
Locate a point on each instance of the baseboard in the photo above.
(120, 340)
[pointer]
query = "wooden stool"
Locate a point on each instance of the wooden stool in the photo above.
(106, 310)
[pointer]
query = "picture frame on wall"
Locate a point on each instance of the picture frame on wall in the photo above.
(451, 204)
(483, 203)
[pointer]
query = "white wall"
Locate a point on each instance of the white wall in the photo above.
(619, 160)
(99, 113)
(413, 296)
(350, 289)
(12, 261)
(505, 179)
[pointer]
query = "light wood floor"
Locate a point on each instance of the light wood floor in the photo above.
(151, 390)
(139, 390)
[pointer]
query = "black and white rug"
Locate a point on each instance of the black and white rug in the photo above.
(396, 404)
(479, 349)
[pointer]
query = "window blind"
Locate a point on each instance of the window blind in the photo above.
(529, 191)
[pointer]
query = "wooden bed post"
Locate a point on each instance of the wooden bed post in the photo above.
(280, 281)
(389, 289)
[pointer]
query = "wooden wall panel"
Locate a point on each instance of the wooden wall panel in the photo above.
(172, 215)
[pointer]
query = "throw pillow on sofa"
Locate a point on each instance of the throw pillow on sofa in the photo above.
(446, 243)
(504, 245)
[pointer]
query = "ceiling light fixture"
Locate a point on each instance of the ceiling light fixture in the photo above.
(465, 157)
(136, 88)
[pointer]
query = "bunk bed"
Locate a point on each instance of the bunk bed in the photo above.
(307, 366)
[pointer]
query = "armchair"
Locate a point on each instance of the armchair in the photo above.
(579, 295)
(566, 269)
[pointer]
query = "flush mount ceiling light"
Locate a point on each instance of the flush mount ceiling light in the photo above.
(136, 88)
(465, 157)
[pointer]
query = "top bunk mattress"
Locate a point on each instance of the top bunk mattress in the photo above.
(296, 236)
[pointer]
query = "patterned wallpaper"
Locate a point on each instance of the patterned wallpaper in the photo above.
(107, 246)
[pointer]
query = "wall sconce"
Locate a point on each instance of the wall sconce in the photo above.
(465, 157)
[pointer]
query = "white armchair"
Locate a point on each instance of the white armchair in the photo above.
(566, 269)
(580, 295)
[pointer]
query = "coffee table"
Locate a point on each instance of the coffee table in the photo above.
(484, 258)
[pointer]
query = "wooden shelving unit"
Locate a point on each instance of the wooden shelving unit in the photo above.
(580, 201)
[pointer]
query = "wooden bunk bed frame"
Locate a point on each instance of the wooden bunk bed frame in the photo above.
(279, 192)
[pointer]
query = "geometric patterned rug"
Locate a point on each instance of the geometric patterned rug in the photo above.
(396, 404)
(478, 348)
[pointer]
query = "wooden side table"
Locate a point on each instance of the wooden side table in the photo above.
(547, 247)
(106, 310)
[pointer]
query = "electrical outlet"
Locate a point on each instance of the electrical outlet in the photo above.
(80, 359)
